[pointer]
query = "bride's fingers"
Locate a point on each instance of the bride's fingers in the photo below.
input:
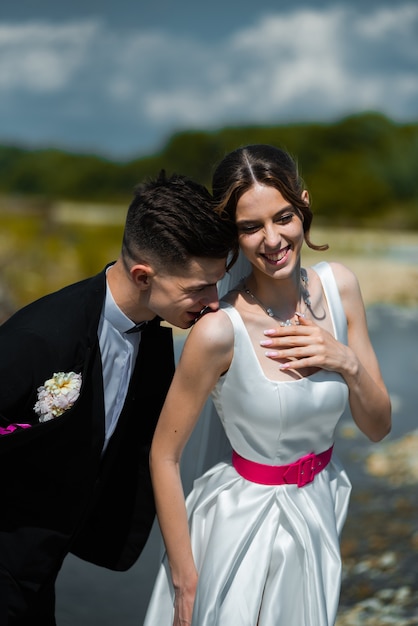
(291, 343)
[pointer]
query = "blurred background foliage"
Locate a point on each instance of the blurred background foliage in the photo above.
(64, 212)
(361, 169)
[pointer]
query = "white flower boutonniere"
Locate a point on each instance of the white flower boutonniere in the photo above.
(57, 395)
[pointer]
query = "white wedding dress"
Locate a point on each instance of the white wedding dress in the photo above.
(268, 555)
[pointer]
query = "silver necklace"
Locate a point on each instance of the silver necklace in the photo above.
(304, 292)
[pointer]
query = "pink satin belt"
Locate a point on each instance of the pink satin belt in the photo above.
(300, 473)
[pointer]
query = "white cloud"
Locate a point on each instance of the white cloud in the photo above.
(308, 63)
(397, 20)
(42, 57)
(297, 65)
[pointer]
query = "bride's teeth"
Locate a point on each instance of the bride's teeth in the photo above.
(276, 257)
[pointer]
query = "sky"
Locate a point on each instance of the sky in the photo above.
(118, 78)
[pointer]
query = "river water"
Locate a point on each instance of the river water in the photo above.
(88, 595)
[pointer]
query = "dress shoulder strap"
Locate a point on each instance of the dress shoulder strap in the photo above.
(332, 294)
(232, 313)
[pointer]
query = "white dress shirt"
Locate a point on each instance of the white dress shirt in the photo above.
(118, 352)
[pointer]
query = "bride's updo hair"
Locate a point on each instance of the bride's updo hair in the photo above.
(267, 165)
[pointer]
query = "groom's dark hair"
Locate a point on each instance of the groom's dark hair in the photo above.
(172, 219)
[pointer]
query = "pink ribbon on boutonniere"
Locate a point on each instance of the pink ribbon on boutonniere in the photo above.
(12, 427)
(55, 396)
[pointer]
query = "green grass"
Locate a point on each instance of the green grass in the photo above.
(39, 255)
(45, 248)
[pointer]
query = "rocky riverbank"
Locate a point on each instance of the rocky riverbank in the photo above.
(380, 541)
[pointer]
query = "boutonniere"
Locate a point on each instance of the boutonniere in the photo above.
(57, 395)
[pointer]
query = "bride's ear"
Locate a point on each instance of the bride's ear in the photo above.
(305, 196)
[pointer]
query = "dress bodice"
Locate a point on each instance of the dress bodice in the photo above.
(277, 422)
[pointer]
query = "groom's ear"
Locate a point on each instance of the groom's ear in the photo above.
(142, 274)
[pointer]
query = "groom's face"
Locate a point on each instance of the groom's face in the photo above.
(178, 296)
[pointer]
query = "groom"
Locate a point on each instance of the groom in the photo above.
(83, 376)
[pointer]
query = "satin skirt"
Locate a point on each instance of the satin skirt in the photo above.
(266, 555)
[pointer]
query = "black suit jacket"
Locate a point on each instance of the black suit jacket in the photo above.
(58, 493)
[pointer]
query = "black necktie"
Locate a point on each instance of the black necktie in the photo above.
(137, 328)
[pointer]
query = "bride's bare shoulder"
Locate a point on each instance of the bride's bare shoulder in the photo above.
(214, 329)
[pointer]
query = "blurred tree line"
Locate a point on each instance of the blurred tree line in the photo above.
(360, 171)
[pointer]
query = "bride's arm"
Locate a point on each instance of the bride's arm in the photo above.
(206, 355)
(369, 400)
(309, 345)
